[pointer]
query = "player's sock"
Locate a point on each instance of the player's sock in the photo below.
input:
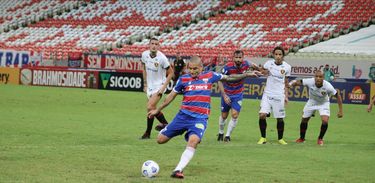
(232, 124)
(280, 128)
(263, 127)
(161, 118)
(150, 122)
(323, 130)
(221, 124)
(186, 156)
(302, 130)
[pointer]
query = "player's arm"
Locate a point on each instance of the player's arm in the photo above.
(223, 94)
(235, 77)
(295, 82)
(286, 90)
(339, 103)
(144, 73)
(170, 97)
(170, 75)
(264, 71)
(372, 102)
(255, 67)
(184, 68)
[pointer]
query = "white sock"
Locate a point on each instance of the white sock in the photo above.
(232, 124)
(221, 125)
(186, 156)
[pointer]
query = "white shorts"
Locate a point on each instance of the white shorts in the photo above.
(152, 90)
(309, 109)
(274, 103)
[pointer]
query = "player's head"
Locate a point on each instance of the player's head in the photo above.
(319, 77)
(195, 66)
(278, 54)
(154, 45)
(238, 57)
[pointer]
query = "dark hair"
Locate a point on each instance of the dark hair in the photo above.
(154, 38)
(238, 52)
(279, 48)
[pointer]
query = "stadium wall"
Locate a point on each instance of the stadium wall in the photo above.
(342, 67)
(9, 75)
(12, 58)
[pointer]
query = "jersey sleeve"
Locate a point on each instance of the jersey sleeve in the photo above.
(330, 89)
(165, 62)
(216, 77)
(247, 65)
(308, 82)
(179, 87)
(224, 70)
(143, 58)
(267, 65)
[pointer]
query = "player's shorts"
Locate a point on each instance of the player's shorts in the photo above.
(236, 103)
(308, 110)
(152, 90)
(184, 123)
(274, 104)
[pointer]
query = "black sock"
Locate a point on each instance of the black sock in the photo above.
(302, 130)
(161, 118)
(280, 128)
(263, 127)
(323, 130)
(150, 122)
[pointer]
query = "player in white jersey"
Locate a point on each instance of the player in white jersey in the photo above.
(275, 94)
(157, 74)
(319, 93)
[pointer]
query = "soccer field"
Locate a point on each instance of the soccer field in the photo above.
(84, 135)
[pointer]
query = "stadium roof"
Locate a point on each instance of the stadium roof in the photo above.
(359, 42)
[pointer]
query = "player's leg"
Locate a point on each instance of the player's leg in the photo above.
(278, 110)
(232, 124)
(265, 108)
(161, 139)
(302, 129)
(222, 119)
(323, 129)
(152, 103)
(186, 156)
(236, 108)
(308, 112)
(176, 127)
(324, 112)
(193, 135)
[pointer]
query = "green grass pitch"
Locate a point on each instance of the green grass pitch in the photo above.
(83, 135)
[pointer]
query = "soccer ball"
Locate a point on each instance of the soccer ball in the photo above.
(150, 168)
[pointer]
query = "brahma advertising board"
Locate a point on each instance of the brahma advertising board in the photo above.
(61, 78)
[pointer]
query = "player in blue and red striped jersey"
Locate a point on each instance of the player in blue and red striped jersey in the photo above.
(195, 108)
(232, 93)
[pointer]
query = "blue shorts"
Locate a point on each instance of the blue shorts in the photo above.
(236, 103)
(185, 123)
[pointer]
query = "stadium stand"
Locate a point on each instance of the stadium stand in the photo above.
(261, 25)
(104, 24)
(190, 27)
(18, 13)
(359, 42)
